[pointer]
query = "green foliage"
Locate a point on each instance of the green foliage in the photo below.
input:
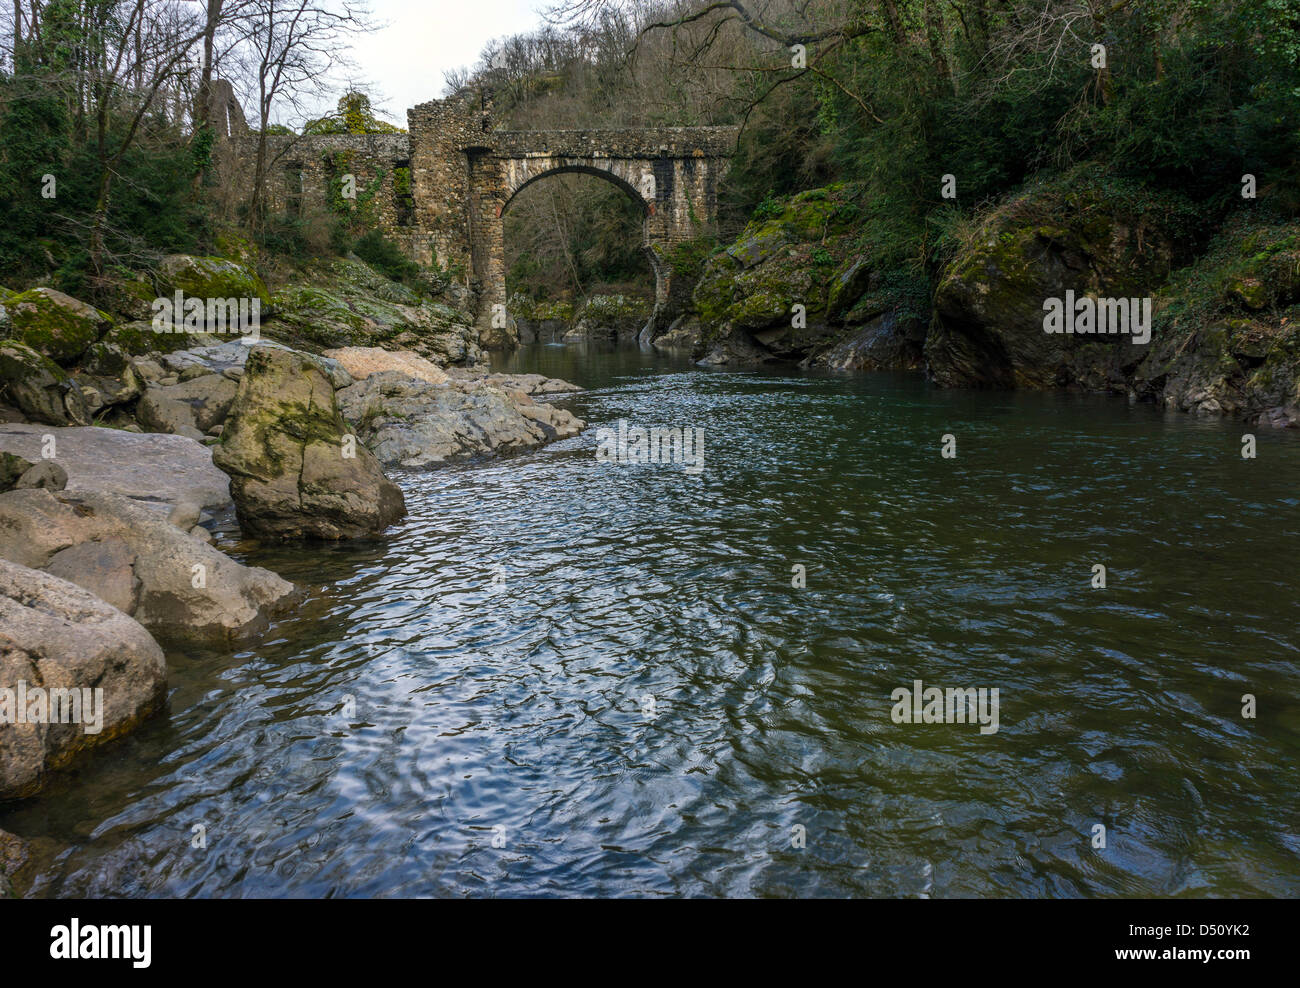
(769, 207)
(353, 116)
(386, 257)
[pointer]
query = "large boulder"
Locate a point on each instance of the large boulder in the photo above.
(892, 340)
(56, 636)
(540, 321)
(211, 277)
(56, 325)
(39, 388)
(176, 585)
(158, 470)
(413, 423)
(609, 318)
(296, 469)
(793, 253)
(1083, 232)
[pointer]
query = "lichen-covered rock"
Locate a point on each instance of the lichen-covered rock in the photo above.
(609, 318)
(540, 321)
(1083, 232)
(1227, 338)
(55, 635)
(40, 388)
(55, 325)
(296, 469)
(177, 586)
(779, 290)
(210, 277)
(347, 303)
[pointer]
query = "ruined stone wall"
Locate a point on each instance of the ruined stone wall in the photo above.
(305, 173)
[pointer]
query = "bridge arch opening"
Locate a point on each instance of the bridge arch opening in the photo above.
(572, 231)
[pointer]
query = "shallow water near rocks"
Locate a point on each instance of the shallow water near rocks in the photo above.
(500, 646)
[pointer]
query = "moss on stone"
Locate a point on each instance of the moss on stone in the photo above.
(60, 327)
(211, 277)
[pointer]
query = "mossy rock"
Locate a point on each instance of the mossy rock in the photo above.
(139, 338)
(210, 277)
(1083, 231)
(1227, 337)
(12, 467)
(317, 316)
(234, 246)
(56, 325)
(39, 388)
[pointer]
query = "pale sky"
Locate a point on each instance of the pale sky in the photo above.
(404, 61)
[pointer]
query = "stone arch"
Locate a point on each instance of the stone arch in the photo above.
(531, 177)
(578, 168)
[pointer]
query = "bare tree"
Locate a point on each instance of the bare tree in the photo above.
(292, 47)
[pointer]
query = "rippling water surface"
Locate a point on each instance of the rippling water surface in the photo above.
(576, 679)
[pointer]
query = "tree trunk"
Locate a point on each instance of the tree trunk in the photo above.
(202, 114)
(890, 11)
(937, 36)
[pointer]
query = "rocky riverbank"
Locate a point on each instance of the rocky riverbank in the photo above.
(121, 446)
(804, 282)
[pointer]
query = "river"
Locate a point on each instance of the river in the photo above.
(562, 677)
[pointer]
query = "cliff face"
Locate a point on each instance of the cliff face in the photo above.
(798, 285)
(1202, 320)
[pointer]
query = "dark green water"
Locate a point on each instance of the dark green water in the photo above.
(516, 714)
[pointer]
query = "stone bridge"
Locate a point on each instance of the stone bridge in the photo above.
(443, 188)
(458, 158)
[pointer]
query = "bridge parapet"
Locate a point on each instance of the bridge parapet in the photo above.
(648, 143)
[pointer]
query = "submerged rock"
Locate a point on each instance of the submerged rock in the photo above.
(176, 585)
(296, 469)
(56, 636)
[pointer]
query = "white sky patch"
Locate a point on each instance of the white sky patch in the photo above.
(403, 62)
